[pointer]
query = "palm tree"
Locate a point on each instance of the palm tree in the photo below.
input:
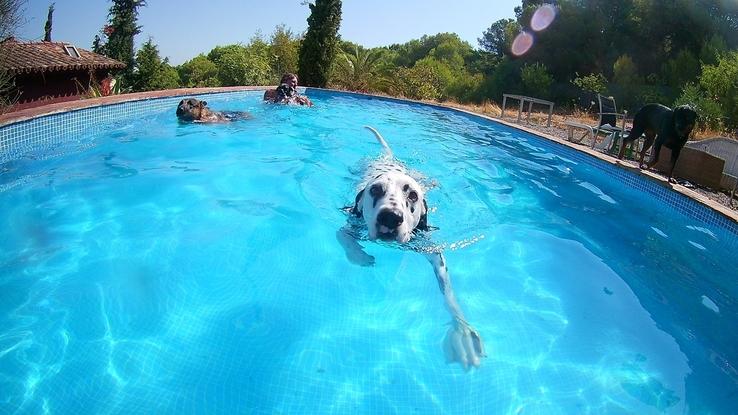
(359, 70)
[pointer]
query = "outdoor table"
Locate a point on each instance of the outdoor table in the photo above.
(530, 100)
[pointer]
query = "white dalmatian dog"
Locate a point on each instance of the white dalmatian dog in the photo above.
(393, 207)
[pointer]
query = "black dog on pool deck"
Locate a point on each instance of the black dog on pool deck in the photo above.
(392, 207)
(670, 128)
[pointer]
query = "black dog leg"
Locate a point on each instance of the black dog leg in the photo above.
(656, 151)
(674, 156)
(633, 135)
(650, 137)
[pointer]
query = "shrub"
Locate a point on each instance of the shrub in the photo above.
(626, 81)
(418, 82)
(199, 72)
(720, 82)
(153, 73)
(536, 80)
(242, 65)
(681, 69)
(595, 83)
(709, 111)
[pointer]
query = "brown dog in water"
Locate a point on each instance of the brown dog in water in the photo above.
(194, 110)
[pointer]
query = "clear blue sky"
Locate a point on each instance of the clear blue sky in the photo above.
(184, 28)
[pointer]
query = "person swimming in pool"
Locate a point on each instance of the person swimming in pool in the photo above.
(286, 92)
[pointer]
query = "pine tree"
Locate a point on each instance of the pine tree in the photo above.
(153, 73)
(97, 45)
(320, 46)
(120, 31)
(47, 27)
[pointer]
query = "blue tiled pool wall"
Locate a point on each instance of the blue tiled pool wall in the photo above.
(42, 133)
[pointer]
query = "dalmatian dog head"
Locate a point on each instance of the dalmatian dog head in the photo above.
(393, 207)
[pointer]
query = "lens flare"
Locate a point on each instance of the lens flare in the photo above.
(522, 43)
(543, 17)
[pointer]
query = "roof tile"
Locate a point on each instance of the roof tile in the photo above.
(20, 57)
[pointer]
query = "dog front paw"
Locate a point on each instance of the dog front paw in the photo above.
(463, 345)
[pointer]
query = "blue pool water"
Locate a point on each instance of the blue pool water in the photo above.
(174, 269)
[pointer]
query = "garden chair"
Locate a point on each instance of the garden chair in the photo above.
(607, 126)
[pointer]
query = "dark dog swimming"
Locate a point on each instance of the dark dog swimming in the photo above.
(194, 110)
(667, 127)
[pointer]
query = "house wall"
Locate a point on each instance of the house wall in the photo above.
(41, 88)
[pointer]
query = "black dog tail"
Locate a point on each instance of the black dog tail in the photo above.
(384, 144)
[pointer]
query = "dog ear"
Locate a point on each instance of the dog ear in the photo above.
(181, 102)
(423, 222)
(356, 210)
(203, 103)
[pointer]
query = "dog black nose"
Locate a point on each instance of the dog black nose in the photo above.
(389, 218)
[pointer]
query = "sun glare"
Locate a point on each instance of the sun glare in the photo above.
(522, 43)
(543, 17)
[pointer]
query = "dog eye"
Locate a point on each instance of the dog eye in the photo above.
(413, 196)
(376, 191)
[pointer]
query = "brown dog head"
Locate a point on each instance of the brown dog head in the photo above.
(192, 109)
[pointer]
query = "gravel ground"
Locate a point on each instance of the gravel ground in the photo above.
(720, 197)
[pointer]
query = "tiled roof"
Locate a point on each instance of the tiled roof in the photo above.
(21, 57)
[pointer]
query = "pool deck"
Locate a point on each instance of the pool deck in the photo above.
(60, 107)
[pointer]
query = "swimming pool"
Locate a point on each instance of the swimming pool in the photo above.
(155, 267)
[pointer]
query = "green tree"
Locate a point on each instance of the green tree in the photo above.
(709, 110)
(121, 30)
(712, 49)
(418, 82)
(10, 19)
(320, 45)
(721, 85)
(49, 23)
(199, 72)
(626, 81)
(410, 52)
(594, 83)
(682, 68)
(284, 51)
(153, 73)
(242, 65)
(498, 38)
(453, 52)
(357, 71)
(504, 79)
(97, 45)
(536, 80)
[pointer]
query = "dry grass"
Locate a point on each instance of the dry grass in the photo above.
(559, 118)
